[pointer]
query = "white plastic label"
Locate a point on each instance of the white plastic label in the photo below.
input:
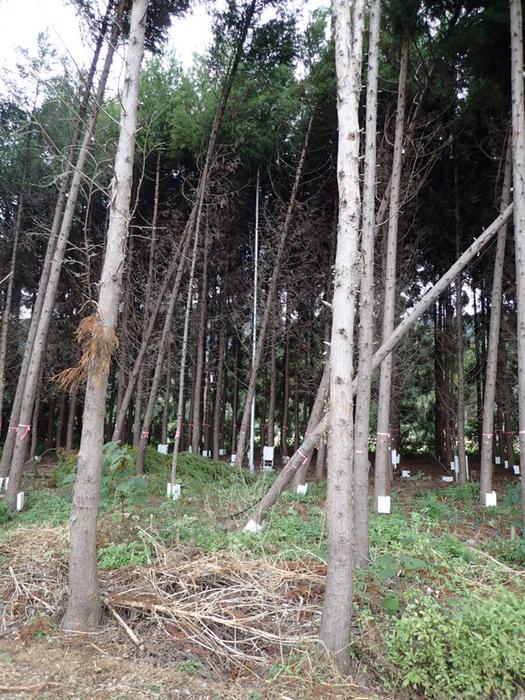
(405, 473)
(497, 459)
(163, 449)
(383, 504)
(302, 489)
(516, 468)
(252, 526)
(490, 499)
(448, 479)
(20, 498)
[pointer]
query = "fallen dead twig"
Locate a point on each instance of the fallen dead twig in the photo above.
(124, 625)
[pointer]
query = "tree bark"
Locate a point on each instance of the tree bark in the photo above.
(199, 364)
(337, 608)
(366, 306)
(382, 460)
(486, 468)
(518, 181)
(219, 387)
(83, 607)
(460, 408)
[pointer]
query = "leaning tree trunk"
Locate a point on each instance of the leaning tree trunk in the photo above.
(316, 433)
(337, 608)
(9, 445)
(269, 305)
(84, 607)
(124, 402)
(382, 461)
(164, 344)
(518, 181)
(44, 321)
(366, 306)
(147, 302)
(487, 431)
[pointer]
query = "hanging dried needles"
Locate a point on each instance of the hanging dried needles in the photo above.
(97, 342)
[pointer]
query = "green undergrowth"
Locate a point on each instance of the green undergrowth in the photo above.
(438, 612)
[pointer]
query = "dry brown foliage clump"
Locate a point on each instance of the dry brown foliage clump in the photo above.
(97, 342)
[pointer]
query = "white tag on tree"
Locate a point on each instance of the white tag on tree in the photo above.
(163, 449)
(506, 464)
(222, 452)
(252, 526)
(394, 458)
(490, 499)
(448, 479)
(302, 489)
(497, 459)
(383, 504)
(232, 459)
(20, 499)
(405, 473)
(516, 468)
(1, 482)
(175, 491)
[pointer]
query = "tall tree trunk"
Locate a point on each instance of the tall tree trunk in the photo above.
(518, 181)
(460, 408)
(269, 305)
(219, 386)
(235, 392)
(286, 386)
(366, 306)
(40, 338)
(337, 608)
(317, 429)
(14, 252)
(165, 342)
(124, 401)
(382, 461)
(273, 385)
(60, 421)
(200, 350)
(492, 351)
(14, 419)
(71, 420)
(184, 352)
(167, 394)
(139, 394)
(83, 607)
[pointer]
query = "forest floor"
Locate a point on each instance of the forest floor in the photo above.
(195, 608)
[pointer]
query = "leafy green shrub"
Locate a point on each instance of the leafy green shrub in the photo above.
(511, 551)
(45, 506)
(474, 650)
(462, 492)
(115, 556)
(5, 513)
(119, 483)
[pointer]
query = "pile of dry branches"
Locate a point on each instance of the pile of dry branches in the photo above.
(222, 610)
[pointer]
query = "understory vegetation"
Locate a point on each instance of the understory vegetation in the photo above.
(439, 611)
